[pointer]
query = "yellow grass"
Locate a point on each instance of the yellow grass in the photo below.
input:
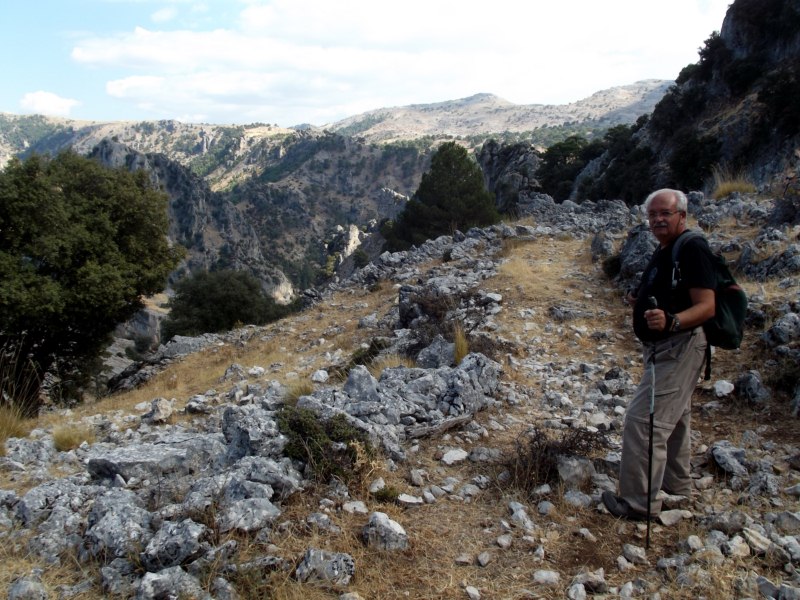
(389, 361)
(13, 425)
(460, 342)
(726, 182)
(68, 437)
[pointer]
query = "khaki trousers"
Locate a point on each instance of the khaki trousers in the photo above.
(678, 361)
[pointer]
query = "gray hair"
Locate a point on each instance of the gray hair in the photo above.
(682, 203)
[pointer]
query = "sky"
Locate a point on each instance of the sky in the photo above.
(288, 62)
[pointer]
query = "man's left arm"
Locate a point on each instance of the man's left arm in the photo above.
(702, 309)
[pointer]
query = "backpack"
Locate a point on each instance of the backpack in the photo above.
(726, 328)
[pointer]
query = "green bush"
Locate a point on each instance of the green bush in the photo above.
(360, 258)
(627, 175)
(693, 158)
(329, 448)
(218, 301)
(779, 94)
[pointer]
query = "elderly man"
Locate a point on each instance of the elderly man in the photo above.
(674, 348)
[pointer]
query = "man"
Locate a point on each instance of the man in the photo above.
(673, 337)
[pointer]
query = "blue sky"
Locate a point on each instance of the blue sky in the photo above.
(318, 61)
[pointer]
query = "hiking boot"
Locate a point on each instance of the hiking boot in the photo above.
(620, 508)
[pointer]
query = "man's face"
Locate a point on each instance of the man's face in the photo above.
(665, 221)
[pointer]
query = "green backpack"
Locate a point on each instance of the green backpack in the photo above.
(726, 328)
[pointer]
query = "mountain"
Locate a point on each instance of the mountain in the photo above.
(489, 114)
(220, 152)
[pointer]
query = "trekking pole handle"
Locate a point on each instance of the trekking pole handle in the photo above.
(652, 302)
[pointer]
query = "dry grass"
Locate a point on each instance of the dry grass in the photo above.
(68, 437)
(390, 361)
(725, 182)
(460, 342)
(297, 389)
(13, 424)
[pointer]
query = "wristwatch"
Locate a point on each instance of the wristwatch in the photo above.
(676, 323)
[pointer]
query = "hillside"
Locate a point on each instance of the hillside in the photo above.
(189, 461)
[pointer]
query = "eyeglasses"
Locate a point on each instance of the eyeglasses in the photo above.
(664, 214)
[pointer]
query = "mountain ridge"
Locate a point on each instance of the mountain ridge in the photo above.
(620, 103)
(493, 114)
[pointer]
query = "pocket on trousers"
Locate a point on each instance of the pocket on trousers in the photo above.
(666, 391)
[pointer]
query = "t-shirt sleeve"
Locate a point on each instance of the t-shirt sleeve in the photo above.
(696, 265)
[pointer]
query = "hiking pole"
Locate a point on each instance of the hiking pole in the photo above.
(652, 303)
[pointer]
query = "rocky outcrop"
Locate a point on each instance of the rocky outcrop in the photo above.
(732, 111)
(509, 172)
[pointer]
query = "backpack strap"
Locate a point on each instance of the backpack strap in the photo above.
(676, 248)
(687, 235)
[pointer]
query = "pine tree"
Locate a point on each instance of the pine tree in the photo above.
(451, 196)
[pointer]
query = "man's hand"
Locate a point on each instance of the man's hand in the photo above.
(656, 319)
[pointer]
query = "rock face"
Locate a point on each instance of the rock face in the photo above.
(209, 225)
(732, 111)
(509, 172)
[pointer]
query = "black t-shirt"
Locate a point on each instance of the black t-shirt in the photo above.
(696, 271)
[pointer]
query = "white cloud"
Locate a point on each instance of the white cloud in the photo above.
(164, 15)
(301, 60)
(47, 103)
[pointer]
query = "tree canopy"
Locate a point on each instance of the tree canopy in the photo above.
(80, 245)
(209, 302)
(451, 196)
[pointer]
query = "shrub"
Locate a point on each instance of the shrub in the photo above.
(360, 258)
(612, 266)
(217, 301)
(536, 456)
(387, 495)
(779, 95)
(693, 158)
(714, 55)
(362, 356)
(331, 448)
